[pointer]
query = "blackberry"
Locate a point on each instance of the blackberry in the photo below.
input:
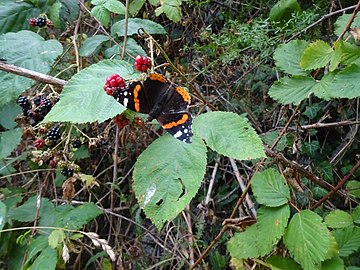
(37, 100)
(40, 21)
(23, 102)
(39, 143)
(53, 134)
(67, 172)
(76, 143)
(45, 105)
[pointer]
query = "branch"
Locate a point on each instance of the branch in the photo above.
(37, 76)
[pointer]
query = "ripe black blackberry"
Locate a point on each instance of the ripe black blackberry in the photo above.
(40, 21)
(45, 105)
(53, 134)
(23, 102)
(37, 100)
(67, 172)
(76, 143)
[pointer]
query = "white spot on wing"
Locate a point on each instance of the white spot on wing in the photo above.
(178, 134)
(126, 102)
(186, 130)
(149, 193)
(125, 93)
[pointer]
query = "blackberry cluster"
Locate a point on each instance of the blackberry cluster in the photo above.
(40, 21)
(37, 108)
(67, 172)
(76, 143)
(54, 134)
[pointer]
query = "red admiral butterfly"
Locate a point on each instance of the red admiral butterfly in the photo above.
(161, 100)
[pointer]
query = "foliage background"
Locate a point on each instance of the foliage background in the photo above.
(273, 68)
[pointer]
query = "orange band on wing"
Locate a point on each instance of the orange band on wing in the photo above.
(184, 118)
(157, 77)
(136, 97)
(185, 95)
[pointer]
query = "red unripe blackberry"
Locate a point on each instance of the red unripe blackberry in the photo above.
(32, 22)
(49, 23)
(121, 121)
(112, 82)
(39, 143)
(142, 63)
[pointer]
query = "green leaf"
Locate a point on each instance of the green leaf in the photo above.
(171, 8)
(8, 113)
(282, 263)
(338, 219)
(317, 55)
(322, 89)
(46, 260)
(132, 48)
(333, 249)
(54, 14)
(115, 6)
(307, 239)
(283, 9)
(9, 140)
(353, 187)
(334, 263)
(2, 215)
(92, 45)
(37, 245)
(14, 15)
(134, 24)
(292, 90)
(163, 185)
(83, 98)
(102, 14)
(135, 6)
(27, 211)
(259, 239)
(348, 240)
(229, 134)
(350, 53)
(356, 214)
(55, 238)
(69, 12)
(343, 20)
(311, 148)
(312, 110)
(346, 83)
(287, 57)
(336, 57)
(78, 216)
(31, 52)
(270, 188)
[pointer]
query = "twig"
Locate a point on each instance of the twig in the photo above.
(37, 76)
(242, 186)
(211, 184)
(350, 21)
(74, 38)
(338, 186)
(320, 20)
(326, 125)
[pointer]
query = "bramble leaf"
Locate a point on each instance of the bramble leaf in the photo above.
(338, 219)
(229, 134)
(292, 90)
(164, 185)
(270, 188)
(83, 98)
(9, 140)
(259, 239)
(134, 24)
(31, 52)
(317, 55)
(287, 57)
(92, 44)
(348, 240)
(307, 239)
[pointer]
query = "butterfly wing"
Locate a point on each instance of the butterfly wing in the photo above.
(133, 97)
(177, 124)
